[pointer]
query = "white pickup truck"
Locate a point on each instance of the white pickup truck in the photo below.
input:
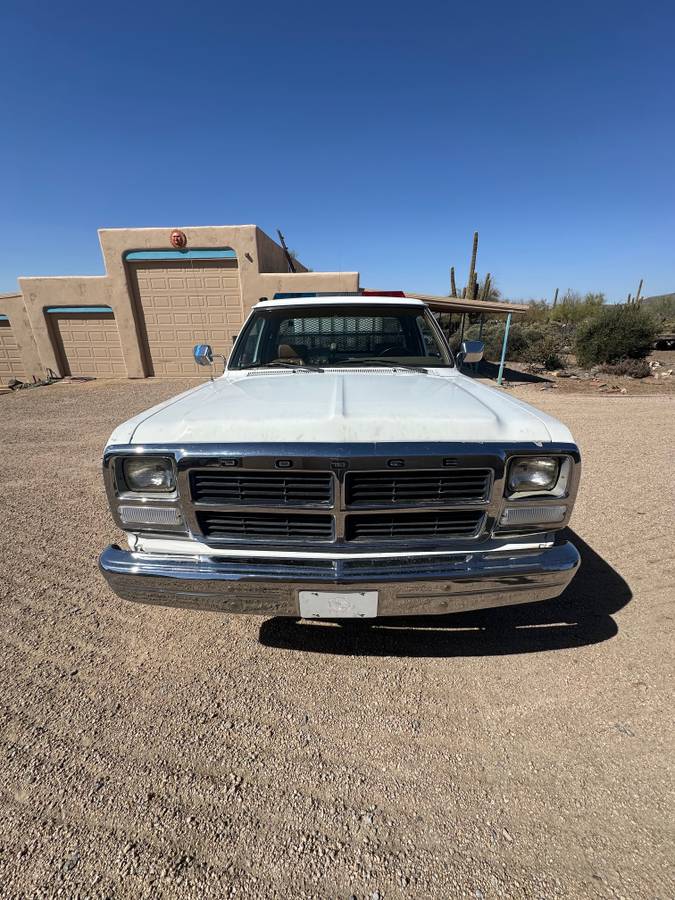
(341, 466)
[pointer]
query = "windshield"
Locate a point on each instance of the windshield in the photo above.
(340, 336)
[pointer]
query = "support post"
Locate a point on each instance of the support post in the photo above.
(480, 337)
(505, 342)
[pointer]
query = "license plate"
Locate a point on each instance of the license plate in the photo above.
(338, 604)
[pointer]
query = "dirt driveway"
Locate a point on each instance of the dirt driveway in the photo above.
(157, 753)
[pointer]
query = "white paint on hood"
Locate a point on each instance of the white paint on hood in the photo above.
(340, 407)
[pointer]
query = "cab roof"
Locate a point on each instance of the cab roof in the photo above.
(342, 300)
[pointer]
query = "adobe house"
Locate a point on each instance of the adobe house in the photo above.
(163, 291)
(19, 356)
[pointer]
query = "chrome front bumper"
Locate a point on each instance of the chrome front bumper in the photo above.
(406, 586)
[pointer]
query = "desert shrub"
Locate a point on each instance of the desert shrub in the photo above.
(523, 337)
(546, 352)
(538, 311)
(453, 340)
(615, 333)
(573, 309)
(492, 336)
(633, 368)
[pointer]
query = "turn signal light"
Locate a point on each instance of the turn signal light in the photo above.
(149, 515)
(532, 515)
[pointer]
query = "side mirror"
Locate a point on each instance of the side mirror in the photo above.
(203, 354)
(471, 352)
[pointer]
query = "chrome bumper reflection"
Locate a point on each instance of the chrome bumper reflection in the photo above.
(406, 586)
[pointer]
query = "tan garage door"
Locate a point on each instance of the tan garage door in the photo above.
(89, 344)
(183, 304)
(11, 364)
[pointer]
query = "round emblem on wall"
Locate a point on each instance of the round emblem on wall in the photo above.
(178, 239)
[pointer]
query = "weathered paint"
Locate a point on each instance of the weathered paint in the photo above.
(341, 407)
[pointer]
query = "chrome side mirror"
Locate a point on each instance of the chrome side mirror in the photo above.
(471, 352)
(203, 354)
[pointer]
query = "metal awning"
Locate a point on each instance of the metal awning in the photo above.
(456, 304)
(486, 307)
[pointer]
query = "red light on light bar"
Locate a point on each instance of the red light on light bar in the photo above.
(365, 293)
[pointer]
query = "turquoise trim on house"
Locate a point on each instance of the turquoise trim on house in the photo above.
(79, 309)
(4, 318)
(224, 253)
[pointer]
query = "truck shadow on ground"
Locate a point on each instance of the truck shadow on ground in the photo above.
(487, 369)
(582, 615)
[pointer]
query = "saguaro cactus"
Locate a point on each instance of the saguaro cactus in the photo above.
(486, 288)
(472, 269)
(637, 296)
(555, 298)
(453, 286)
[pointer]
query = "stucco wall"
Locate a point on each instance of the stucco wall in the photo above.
(271, 256)
(262, 271)
(12, 306)
(40, 293)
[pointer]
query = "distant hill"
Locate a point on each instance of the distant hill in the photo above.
(658, 298)
(663, 307)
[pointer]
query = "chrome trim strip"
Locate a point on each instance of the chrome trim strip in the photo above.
(405, 587)
(169, 545)
(310, 449)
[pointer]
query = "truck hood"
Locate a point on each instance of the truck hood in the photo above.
(340, 407)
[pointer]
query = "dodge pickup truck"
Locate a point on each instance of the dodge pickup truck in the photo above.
(343, 465)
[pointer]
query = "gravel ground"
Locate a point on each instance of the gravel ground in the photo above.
(158, 753)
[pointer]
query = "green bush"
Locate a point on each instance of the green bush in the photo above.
(538, 311)
(492, 336)
(546, 352)
(574, 309)
(615, 333)
(528, 342)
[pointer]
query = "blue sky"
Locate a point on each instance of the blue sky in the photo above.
(377, 136)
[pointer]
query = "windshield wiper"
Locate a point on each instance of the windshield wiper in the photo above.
(277, 364)
(381, 361)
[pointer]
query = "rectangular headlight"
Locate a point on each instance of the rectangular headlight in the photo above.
(532, 515)
(533, 473)
(151, 474)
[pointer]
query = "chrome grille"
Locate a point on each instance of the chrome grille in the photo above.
(280, 498)
(264, 525)
(242, 488)
(419, 488)
(414, 526)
